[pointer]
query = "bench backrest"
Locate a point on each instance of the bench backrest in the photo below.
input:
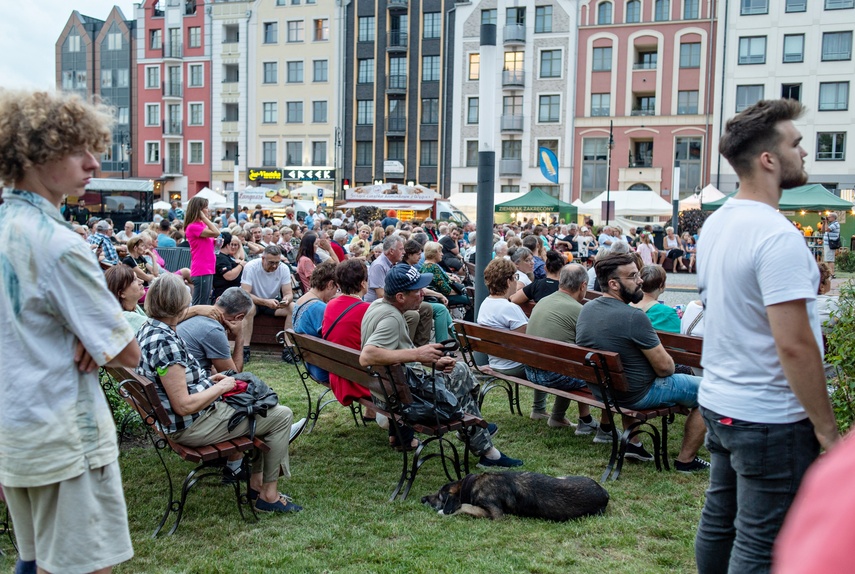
(174, 258)
(684, 349)
(556, 356)
(141, 394)
(590, 295)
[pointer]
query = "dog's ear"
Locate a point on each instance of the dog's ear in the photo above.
(452, 504)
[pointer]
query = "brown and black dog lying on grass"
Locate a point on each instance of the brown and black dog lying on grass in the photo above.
(492, 495)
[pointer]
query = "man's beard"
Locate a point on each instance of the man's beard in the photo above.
(793, 177)
(628, 296)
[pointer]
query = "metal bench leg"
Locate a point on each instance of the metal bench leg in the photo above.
(666, 421)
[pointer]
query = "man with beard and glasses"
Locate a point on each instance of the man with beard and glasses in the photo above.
(608, 323)
(763, 395)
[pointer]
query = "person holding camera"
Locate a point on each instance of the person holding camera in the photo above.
(830, 239)
(268, 282)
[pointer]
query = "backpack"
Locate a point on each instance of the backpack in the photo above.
(256, 400)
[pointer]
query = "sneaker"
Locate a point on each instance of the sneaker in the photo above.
(284, 504)
(246, 355)
(696, 465)
(603, 437)
(503, 461)
(539, 415)
(584, 428)
(288, 356)
(296, 428)
(560, 424)
(637, 452)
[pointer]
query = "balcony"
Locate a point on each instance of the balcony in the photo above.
(514, 34)
(643, 112)
(172, 90)
(396, 84)
(231, 89)
(513, 79)
(644, 66)
(171, 168)
(397, 41)
(512, 123)
(396, 125)
(229, 129)
(172, 128)
(397, 4)
(173, 50)
(510, 167)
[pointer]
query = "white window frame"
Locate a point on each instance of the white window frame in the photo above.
(190, 153)
(190, 113)
(560, 109)
(147, 146)
(540, 63)
(189, 73)
(274, 109)
(147, 113)
(159, 79)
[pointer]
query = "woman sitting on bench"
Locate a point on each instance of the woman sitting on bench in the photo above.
(193, 401)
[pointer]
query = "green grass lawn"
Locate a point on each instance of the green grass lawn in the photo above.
(343, 476)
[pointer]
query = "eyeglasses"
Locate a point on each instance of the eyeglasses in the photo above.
(631, 277)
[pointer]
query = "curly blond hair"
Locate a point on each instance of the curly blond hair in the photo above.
(39, 127)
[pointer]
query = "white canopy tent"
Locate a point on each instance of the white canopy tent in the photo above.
(158, 205)
(215, 200)
(706, 195)
(628, 204)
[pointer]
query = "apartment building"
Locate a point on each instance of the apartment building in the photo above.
(800, 49)
(647, 68)
(398, 58)
(173, 55)
(95, 58)
(534, 99)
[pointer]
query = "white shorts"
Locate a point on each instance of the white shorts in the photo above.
(78, 525)
(827, 253)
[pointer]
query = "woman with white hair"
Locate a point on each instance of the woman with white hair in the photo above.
(671, 249)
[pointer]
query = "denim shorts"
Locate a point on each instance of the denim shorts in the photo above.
(554, 380)
(676, 389)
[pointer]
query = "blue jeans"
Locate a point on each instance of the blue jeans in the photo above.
(676, 389)
(553, 381)
(756, 471)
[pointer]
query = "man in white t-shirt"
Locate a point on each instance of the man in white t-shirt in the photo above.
(268, 282)
(763, 395)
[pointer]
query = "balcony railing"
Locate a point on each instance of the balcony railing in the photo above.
(172, 128)
(513, 78)
(396, 124)
(514, 34)
(172, 90)
(397, 82)
(397, 40)
(173, 50)
(172, 167)
(512, 123)
(510, 167)
(397, 4)
(644, 66)
(643, 112)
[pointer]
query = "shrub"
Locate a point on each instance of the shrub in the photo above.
(690, 220)
(840, 354)
(845, 261)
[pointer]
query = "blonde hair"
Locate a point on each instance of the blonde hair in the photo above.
(432, 250)
(166, 297)
(39, 127)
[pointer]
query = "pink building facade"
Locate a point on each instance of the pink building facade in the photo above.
(172, 142)
(647, 67)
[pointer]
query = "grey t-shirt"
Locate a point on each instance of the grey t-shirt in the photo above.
(608, 324)
(555, 317)
(384, 326)
(206, 339)
(377, 277)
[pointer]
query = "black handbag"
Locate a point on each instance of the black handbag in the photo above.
(432, 401)
(834, 244)
(255, 401)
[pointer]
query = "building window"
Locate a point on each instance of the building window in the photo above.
(122, 115)
(468, 188)
(80, 80)
(550, 64)
(839, 4)
(644, 106)
(430, 111)
(366, 29)
(268, 154)
(364, 112)
(551, 145)
(121, 77)
(68, 80)
(474, 66)
(295, 112)
(295, 72)
(319, 153)
(833, 96)
(365, 74)
(511, 149)
(320, 70)
(662, 11)
(633, 11)
(196, 153)
(194, 37)
(152, 152)
(231, 112)
(294, 153)
(363, 153)
(831, 146)
(319, 112)
(549, 109)
(791, 91)
(432, 25)
(430, 68)
(472, 110)
(751, 7)
(489, 16)
(512, 105)
(152, 76)
(195, 77)
(691, 10)
(594, 166)
(509, 189)
(472, 153)
(796, 6)
(429, 153)
(748, 96)
(269, 111)
(196, 114)
(73, 43)
(646, 61)
(114, 41)
(794, 48)
(271, 72)
(604, 13)
(542, 19)
(106, 78)
(322, 29)
(395, 150)
(602, 59)
(156, 39)
(601, 104)
(271, 32)
(690, 55)
(687, 102)
(515, 16)
(295, 30)
(152, 114)
(688, 152)
(836, 46)
(752, 50)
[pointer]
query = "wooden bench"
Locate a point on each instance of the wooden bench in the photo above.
(600, 369)
(389, 389)
(141, 395)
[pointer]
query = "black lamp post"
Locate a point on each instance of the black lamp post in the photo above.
(125, 146)
(609, 172)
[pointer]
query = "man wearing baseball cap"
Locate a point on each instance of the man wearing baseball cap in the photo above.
(386, 341)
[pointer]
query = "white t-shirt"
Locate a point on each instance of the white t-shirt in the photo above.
(265, 285)
(693, 309)
(592, 276)
(583, 241)
(501, 314)
(751, 257)
(523, 278)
